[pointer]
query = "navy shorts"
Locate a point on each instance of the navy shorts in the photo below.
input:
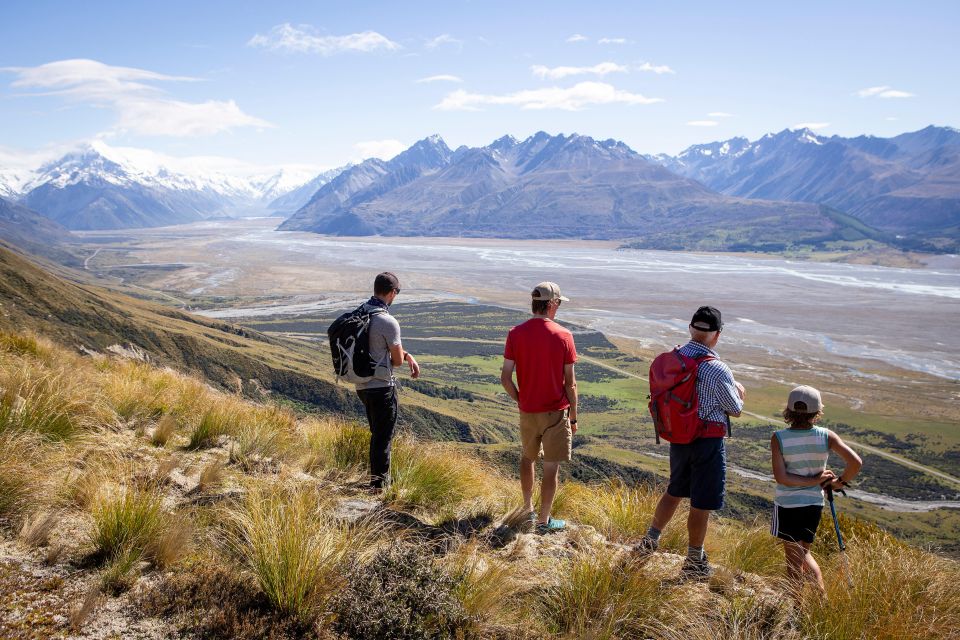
(699, 471)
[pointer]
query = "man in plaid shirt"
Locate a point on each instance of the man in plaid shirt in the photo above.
(698, 470)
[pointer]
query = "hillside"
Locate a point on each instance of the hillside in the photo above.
(95, 319)
(138, 502)
(27, 230)
(545, 187)
(907, 185)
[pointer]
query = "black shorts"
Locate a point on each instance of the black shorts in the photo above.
(699, 471)
(796, 524)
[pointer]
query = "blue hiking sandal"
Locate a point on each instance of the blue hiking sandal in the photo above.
(551, 526)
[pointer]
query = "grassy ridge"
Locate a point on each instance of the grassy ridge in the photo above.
(265, 546)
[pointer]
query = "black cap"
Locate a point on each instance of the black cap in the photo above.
(385, 283)
(707, 319)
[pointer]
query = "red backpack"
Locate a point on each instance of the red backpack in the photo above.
(674, 404)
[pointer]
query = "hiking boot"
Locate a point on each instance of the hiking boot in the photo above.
(696, 569)
(646, 547)
(551, 526)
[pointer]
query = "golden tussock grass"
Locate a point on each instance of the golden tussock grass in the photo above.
(61, 451)
(165, 428)
(295, 549)
(444, 480)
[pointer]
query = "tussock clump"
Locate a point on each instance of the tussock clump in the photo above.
(619, 511)
(54, 404)
(36, 529)
(133, 521)
(898, 592)
(295, 550)
(19, 455)
(84, 609)
(747, 549)
(336, 444)
(490, 592)
(136, 390)
(401, 593)
(26, 345)
(441, 479)
(122, 572)
(163, 431)
(219, 420)
(595, 596)
(264, 433)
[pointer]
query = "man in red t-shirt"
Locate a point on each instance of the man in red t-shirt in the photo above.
(543, 354)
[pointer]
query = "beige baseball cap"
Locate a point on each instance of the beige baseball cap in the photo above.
(805, 399)
(548, 291)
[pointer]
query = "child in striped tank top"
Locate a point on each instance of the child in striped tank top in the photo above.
(799, 455)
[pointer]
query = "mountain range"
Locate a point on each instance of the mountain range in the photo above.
(907, 185)
(782, 189)
(100, 187)
(541, 187)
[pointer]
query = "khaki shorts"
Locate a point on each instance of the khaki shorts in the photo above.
(548, 432)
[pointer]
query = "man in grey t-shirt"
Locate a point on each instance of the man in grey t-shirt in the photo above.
(379, 395)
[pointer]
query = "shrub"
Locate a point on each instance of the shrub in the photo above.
(400, 594)
(212, 600)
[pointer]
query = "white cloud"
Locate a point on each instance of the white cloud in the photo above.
(383, 149)
(720, 114)
(556, 73)
(577, 38)
(892, 118)
(883, 92)
(612, 41)
(702, 123)
(655, 68)
(813, 126)
(441, 78)
(442, 39)
(141, 108)
(304, 39)
(572, 98)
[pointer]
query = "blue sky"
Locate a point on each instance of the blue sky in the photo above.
(327, 82)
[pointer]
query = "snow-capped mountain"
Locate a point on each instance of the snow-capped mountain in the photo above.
(296, 197)
(904, 184)
(546, 186)
(97, 186)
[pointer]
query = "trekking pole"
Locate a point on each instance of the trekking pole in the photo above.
(844, 562)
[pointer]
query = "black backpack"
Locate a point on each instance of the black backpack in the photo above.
(350, 345)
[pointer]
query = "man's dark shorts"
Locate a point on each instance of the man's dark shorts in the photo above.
(699, 471)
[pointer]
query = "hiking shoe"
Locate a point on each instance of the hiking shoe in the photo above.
(646, 546)
(551, 526)
(696, 569)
